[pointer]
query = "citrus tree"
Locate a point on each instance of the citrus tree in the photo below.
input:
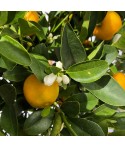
(62, 73)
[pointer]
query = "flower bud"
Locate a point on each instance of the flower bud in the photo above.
(116, 38)
(59, 79)
(59, 64)
(65, 79)
(49, 79)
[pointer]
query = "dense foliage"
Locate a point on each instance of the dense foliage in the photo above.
(93, 103)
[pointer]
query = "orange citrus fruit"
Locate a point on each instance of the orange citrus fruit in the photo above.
(39, 95)
(109, 26)
(31, 16)
(120, 78)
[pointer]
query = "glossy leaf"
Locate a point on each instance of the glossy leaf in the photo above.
(107, 90)
(9, 120)
(105, 110)
(36, 124)
(95, 51)
(72, 50)
(14, 51)
(87, 72)
(84, 127)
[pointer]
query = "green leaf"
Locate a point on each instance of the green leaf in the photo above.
(41, 49)
(29, 28)
(121, 41)
(6, 63)
(9, 120)
(45, 112)
(36, 124)
(117, 133)
(95, 51)
(87, 101)
(85, 26)
(71, 108)
(9, 32)
(14, 51)
(18, 74)
(37, 67)
(8, 93)
(107, 90)
(3, 17)
(109, 53)
(105, 110)
(87, 72)
(84, 127)
(72, 50)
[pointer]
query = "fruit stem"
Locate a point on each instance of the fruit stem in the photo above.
(67, 124)
(54, 29)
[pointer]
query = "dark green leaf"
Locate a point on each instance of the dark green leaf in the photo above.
(72, 50)
(87, 72)
(36, 124)
(30, 28)
(107, 90)
(19, 73)
(71, 108)
(37, 67)
(14, 51)
(6, 63)
(41, 49)
(85, 26)
(8, 93)
(84, 127)
(87, 101)
(9, 120)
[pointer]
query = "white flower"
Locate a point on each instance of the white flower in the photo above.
(59, 65)
(50, 79)
(65, 79)
(59, 79)
(116, 38)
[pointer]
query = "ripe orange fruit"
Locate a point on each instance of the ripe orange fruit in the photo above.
(31, 16)
(120, 78)
(109, 26)
(39, 95)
